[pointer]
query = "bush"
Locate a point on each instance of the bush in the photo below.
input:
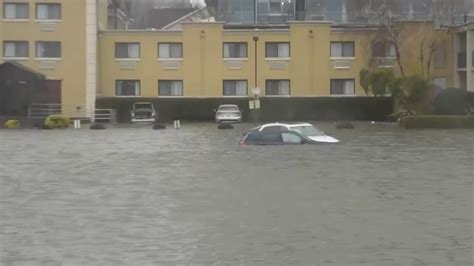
(57, 121)
(12, 124)
(436, 121)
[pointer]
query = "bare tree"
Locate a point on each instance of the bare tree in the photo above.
(380, 13)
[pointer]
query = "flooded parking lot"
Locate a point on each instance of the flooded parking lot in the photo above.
(134, 196)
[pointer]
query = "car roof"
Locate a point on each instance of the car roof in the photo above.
(299, 124)
(228, 105)
(142, 103)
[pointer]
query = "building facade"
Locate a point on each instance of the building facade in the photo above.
(69, 43)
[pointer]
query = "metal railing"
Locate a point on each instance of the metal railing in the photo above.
(105, 116)
(41, 111)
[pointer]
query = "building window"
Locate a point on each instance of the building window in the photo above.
(48, 11)
(342, 87)
(277, 87)
(18, 49)
(235, 88)
(235, 50)
(440, 57)
(48, 49)
(275, 7)
(127, 50)
(440, 82)
(170, 87)
(15, 11)
(383, 49)
(277, 50)
(127, 88)
(170, 50)
(342, 49)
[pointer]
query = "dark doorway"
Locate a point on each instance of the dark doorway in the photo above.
(21, 86)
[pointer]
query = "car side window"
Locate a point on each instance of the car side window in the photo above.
(291, 138)
(271, 138)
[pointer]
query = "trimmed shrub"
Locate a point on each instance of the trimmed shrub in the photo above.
(11, 124)
(436, 121)
(57, 121)
(97, 127)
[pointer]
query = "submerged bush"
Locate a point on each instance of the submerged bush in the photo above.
(436, 121)
(12, 124)
(57, 121)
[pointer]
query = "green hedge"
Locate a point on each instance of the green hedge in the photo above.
(57, 121)
(11, 124)
(436, 121)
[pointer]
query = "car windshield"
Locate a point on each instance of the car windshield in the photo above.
(228, 108)
(307, 130)
(143, 106)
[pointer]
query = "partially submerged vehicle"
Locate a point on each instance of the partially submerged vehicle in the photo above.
(143, 112)
(286, 137)
(306, 129)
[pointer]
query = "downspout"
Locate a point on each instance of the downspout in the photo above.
(255, 12)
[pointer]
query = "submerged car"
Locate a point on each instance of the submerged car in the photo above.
(228, 113)
(274, 138)
(305, 129)
(143, 112)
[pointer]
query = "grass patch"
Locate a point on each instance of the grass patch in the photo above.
(436, 121)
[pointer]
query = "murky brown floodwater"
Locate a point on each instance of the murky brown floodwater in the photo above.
(135, 196)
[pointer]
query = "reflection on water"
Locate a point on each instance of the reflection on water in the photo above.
(135, 196)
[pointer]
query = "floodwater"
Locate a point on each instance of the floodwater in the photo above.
(134, 196)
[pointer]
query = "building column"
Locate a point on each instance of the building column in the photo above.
(91, 56)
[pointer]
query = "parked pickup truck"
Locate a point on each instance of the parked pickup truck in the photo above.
(143, 112)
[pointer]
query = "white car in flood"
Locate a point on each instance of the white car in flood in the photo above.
(305, 129)
(228, 113)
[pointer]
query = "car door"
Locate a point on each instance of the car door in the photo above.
(291, 138)
(270, 138)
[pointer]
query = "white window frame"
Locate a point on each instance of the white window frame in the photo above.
(48, 58)
(171, 92)
(278, 47)
(128, 58)
(15, 57)
(137, 87)
(226, 44)
(161, 45)
(277, 95)
(441, 78)
(38, 5)
(345, 80)
(4, 13)
(235, 87)
(341, 56)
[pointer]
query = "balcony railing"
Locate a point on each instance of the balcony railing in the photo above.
(462, 62)
(385, 62)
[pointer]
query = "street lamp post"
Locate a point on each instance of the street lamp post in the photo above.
(256, 89)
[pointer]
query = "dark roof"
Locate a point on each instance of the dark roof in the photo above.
(16, 70)
(158, 18)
